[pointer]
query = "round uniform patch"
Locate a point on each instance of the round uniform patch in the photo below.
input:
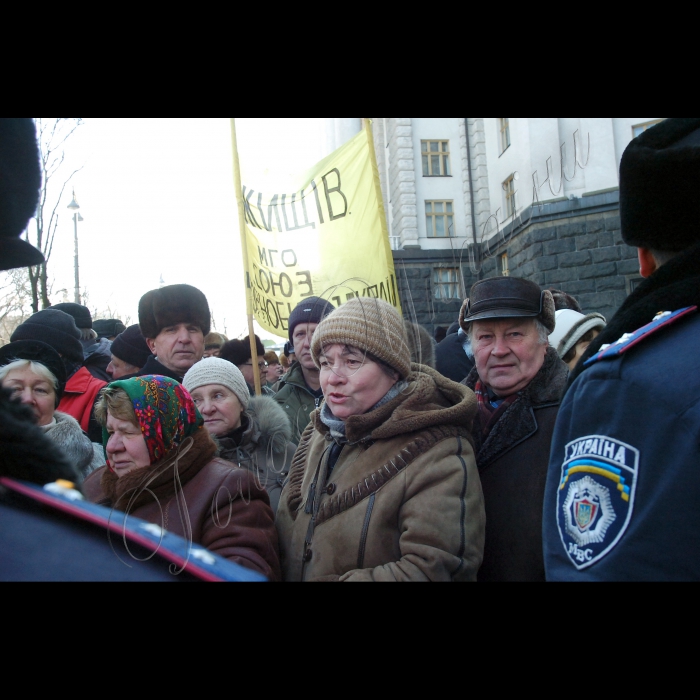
(595, 497)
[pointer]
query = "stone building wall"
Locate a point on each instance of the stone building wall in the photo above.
(573, 245)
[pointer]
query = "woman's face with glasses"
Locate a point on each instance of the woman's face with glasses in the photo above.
(351, 382)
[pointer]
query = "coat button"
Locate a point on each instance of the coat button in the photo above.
(330, 489)
(307, 554)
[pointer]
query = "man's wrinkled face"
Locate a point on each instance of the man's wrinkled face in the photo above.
(301, 338)
(508, 353)
(178, 347)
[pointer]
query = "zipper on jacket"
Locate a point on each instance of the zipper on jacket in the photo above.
(365, 527)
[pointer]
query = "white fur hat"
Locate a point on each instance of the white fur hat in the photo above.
(570, 327)
(214, 370)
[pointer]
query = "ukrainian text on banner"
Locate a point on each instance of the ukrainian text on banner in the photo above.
(322, 234)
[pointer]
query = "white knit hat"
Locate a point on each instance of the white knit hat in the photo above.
(214, 370)
(570, 327)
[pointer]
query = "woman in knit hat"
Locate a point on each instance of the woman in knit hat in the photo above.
(384, 485)
(252, 431)
(573, 333)
(162, 467)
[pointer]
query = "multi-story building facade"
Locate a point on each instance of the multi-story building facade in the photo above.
(468, 198)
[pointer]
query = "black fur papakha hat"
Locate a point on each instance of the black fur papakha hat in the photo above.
(659, 181)
(168, 306)
(36, 351)
(20, 180)
(507, 297)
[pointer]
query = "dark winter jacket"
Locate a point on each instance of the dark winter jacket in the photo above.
(512, 462)
(296, 399)
(201, 497)
(97, 357)
(450, 359)
(152, 366)
(623, 488)
(262, 445)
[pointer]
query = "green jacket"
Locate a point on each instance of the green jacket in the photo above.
(296, 399)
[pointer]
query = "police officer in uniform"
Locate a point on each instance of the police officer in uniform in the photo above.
(623, 485)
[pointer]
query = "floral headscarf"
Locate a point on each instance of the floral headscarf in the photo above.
(164, 410)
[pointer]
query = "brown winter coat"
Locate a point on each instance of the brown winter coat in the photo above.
(404, 500)
(513, 461)
(202, 498)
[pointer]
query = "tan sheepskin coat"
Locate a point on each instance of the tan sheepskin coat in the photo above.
(404, 500)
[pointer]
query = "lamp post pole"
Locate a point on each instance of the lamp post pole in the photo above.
(75, 207)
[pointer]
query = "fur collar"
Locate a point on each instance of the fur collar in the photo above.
(674, 285)
(268, 426)
(518, 422)
(162, 479)
(428, 400)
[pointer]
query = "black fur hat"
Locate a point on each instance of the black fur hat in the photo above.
(20, 180)
(168, 306)
(659, 179)
(36, 351)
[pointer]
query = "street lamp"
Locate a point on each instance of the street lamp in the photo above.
(74, 207)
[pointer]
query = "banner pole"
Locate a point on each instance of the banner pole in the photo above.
(244, 251)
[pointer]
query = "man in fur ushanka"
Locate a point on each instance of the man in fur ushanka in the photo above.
(518, 380)
(174, 321)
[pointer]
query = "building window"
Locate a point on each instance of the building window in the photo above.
(439, 221)
(509, 188)
(641, 128)
(436, 158)
(503, 264)
(632, 282)
(504, 128)
(446, 283)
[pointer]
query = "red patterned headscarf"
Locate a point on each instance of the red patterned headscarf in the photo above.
(164, 410)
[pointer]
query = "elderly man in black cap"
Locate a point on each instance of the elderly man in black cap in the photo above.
(299, 390)
(623, 486)
(174, 321)
(129, 353)
(518, 380)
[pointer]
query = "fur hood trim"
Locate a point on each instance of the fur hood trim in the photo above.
(76, 445)
(429, 400)
(269, 424)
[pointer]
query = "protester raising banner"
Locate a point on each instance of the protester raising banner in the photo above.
(323, 233)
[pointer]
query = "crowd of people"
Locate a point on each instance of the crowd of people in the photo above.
(522, 443)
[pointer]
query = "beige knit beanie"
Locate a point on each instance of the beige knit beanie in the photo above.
(214, 370)
(370, 324)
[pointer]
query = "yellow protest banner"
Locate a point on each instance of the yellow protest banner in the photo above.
(322, 234)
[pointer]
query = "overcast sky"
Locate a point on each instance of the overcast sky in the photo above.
(157, 199)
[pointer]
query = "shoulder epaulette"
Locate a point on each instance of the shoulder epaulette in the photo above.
(629, 340)
(182, 554)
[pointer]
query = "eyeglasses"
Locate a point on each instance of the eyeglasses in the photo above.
(261, 365)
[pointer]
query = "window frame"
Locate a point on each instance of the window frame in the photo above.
(503, 135)
(452, 284)
(443, 156)
(508, 186)
(431, 230)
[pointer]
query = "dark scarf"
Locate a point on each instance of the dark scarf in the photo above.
(489, 415)
(674, 285)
